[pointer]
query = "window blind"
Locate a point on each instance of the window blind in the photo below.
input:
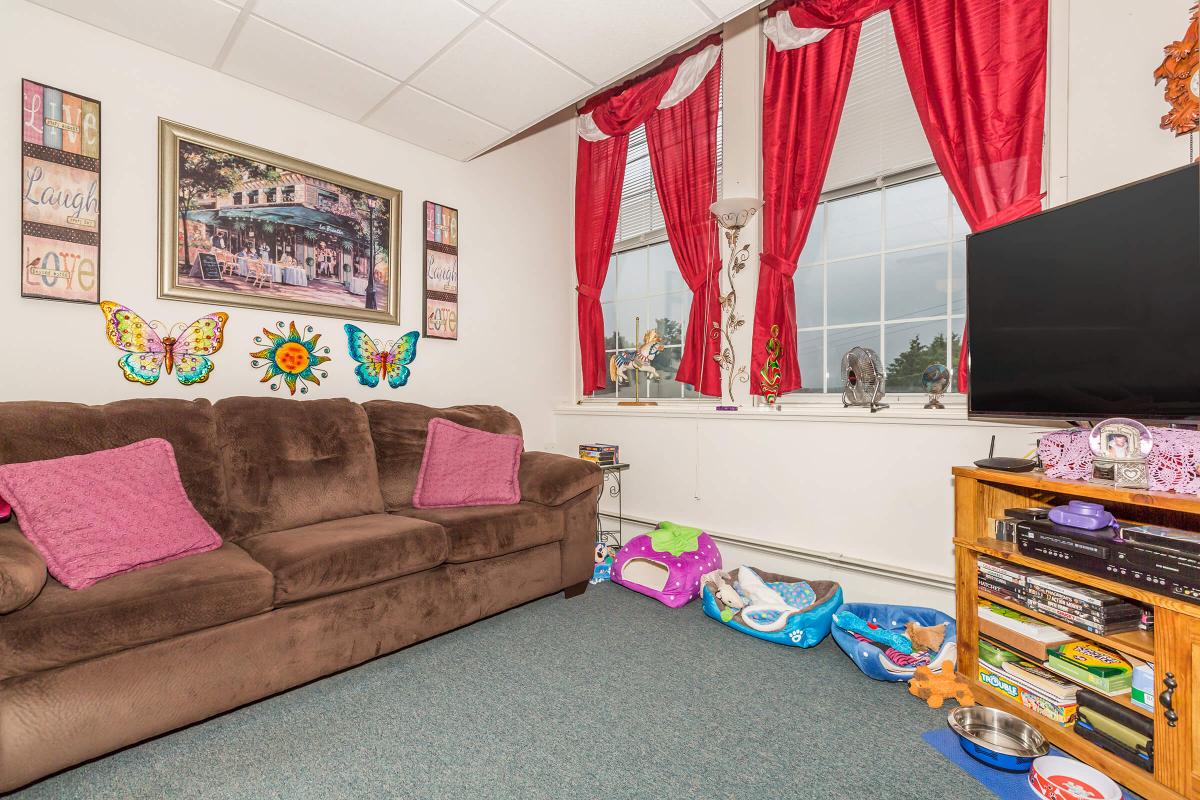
(880, 133)
(640, 219)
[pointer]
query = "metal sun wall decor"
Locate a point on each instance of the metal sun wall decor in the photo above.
(1181, 70)
(290, 358)
(377, 359)
(60, 194)
(149, 346)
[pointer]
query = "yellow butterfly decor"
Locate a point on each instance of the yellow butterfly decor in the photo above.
(150, 345)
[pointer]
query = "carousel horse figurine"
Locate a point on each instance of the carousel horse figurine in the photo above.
(638, 359)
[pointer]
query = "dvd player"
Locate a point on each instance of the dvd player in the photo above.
(1105, 554)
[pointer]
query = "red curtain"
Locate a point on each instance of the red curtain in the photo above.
(803, 95)
(683, 157)
(977, 72)
(599, 173)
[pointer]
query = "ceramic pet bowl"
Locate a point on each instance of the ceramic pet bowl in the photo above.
(1057, 778)
(997, 738)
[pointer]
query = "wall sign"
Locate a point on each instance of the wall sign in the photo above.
(441, 271)
(60, 194)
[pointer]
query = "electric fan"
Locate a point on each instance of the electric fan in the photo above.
(862, 379)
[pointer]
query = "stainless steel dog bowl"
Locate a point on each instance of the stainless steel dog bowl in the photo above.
(997, 738)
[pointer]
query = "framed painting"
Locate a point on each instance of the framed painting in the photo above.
(441, 271)
(60, 194)
(240, 225)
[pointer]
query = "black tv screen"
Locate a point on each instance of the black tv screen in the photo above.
(1091, 309)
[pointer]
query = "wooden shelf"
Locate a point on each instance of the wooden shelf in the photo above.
(1167, 501)
(1139, 644)
(1064, 737)
(1007, 551)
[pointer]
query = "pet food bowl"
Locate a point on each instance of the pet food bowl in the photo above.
(997, 738)
(1057, 778)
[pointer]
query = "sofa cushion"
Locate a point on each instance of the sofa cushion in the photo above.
(289, 464)
(63, 625)
(37, 430)
(552, 479)
(399, 431)
(100, 514)
(22, 570)
(477, 532)
(343, 554)
(468, 467)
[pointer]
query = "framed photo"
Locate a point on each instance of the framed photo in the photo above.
(441, 271)
(243, 226)
(1120, 439)
(60, 194)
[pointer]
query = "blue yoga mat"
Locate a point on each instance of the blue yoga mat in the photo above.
(1005, 785)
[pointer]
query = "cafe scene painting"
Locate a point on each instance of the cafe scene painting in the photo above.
(259, 229)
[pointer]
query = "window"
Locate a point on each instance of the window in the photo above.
(289, 194)
(643, 280)
(237, 198)
(270, 193)
(884, 269)
(884, 263)
(252, 196)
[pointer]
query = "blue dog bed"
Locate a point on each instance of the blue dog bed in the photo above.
(802, 629)
(871, 660)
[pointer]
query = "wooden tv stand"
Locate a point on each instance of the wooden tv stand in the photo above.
(1173, 646)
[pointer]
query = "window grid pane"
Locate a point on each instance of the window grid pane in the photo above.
(889, 275)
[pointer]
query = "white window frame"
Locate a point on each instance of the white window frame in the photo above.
(832, 392)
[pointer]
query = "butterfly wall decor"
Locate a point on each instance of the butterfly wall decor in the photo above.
(151, 345)
(375, 360)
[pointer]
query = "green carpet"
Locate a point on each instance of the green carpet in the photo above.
(610, 695)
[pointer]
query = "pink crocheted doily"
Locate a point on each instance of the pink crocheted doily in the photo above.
(1171, 465)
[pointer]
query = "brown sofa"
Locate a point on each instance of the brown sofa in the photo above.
(325, 565)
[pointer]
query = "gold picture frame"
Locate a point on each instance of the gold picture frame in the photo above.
(263, 230)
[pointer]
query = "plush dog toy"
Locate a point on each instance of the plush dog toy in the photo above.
(935, 687)
(723, 590)
(925, 638)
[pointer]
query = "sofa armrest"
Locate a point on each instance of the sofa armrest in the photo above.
(551, 479)
(22, 570)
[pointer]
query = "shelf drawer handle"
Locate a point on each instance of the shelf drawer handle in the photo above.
(1167, 698)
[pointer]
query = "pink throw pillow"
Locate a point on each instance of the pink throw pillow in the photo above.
(467, 467)
(100, 514)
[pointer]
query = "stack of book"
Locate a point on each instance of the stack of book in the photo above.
(1018, 630)
(1034, 687)
(1103, 670)
(1094, 611)
(603, 454)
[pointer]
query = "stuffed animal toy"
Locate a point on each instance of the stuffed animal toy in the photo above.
(934, 688)
(925, 638)
(723, 590)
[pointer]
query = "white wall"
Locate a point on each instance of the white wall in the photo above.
(516, 246)
(825, 492)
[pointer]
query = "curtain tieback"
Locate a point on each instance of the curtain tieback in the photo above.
(588, 291)
(773, 262)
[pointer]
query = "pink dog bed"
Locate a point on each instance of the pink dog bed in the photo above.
(667, 563)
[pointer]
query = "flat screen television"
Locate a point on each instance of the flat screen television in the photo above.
(1090, 309)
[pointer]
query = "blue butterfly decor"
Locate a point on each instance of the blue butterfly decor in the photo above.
(376, 361)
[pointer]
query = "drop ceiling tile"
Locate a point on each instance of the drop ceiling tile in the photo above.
(603, 40)
(275, 59)
(491, 73)
(416, 117)
(192, 29)
(393, 36)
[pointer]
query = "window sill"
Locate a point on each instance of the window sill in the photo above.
(902, 411)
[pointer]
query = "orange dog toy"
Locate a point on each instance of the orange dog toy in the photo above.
(934, 688)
